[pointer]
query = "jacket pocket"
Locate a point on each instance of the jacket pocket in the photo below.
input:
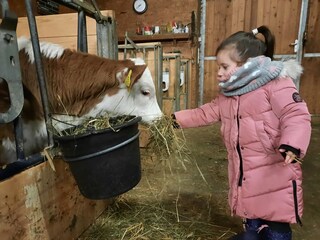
(295, 199)
(264, 137)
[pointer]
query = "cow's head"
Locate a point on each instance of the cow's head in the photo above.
(136, 94)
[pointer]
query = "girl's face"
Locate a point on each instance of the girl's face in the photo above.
(226, 66)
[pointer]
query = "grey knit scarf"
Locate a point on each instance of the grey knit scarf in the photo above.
(255, 73)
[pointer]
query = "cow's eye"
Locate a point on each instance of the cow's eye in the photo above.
(145, 92)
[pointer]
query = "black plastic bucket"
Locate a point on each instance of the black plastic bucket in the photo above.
(104, 163)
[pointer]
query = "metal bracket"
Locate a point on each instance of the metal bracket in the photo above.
(10, 66)
(127, 38)
(91, 10)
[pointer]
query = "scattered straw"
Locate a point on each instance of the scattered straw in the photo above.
(126, 220)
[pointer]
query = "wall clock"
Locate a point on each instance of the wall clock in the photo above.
(140, 6)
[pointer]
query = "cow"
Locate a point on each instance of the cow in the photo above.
(79, 85)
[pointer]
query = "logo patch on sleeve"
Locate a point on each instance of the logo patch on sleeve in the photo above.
(296, 97)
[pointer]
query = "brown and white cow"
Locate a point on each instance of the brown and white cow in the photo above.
(79, 85)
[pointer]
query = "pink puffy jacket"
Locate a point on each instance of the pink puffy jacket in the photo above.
(258, 122)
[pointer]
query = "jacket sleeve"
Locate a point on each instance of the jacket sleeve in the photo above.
(204, 115)
(292, 111)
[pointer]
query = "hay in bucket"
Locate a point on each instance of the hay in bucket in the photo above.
(92, 124)
(75, 128)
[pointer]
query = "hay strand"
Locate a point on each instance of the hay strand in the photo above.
(166, 141)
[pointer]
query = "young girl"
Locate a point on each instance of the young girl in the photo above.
(266, 129)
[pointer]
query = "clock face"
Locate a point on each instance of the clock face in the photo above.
(140, 6)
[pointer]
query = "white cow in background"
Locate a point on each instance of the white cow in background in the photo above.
(79, 86)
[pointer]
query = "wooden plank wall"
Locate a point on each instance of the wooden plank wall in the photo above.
(310, 82)
(62, 29)
(40, 204)
(159, 12)
(282, 16)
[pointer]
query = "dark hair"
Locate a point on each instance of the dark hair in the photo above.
(248, 45)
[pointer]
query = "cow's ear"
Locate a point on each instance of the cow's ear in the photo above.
(122, 75)
(128, 76)
(134, 75)
(137, 71)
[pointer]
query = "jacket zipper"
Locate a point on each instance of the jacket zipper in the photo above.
(240, 166)
(295, 199)
(238, 148)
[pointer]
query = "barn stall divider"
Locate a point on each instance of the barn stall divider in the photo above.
(39, 203)
(175, 73)
(185, 72)
(170, 72)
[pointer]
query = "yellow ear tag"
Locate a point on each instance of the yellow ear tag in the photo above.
(127, 81)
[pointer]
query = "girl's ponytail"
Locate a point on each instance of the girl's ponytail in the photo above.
(269, 40)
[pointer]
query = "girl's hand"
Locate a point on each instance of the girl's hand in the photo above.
(290, 157)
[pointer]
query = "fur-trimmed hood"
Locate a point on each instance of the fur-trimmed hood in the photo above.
(292, 69)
